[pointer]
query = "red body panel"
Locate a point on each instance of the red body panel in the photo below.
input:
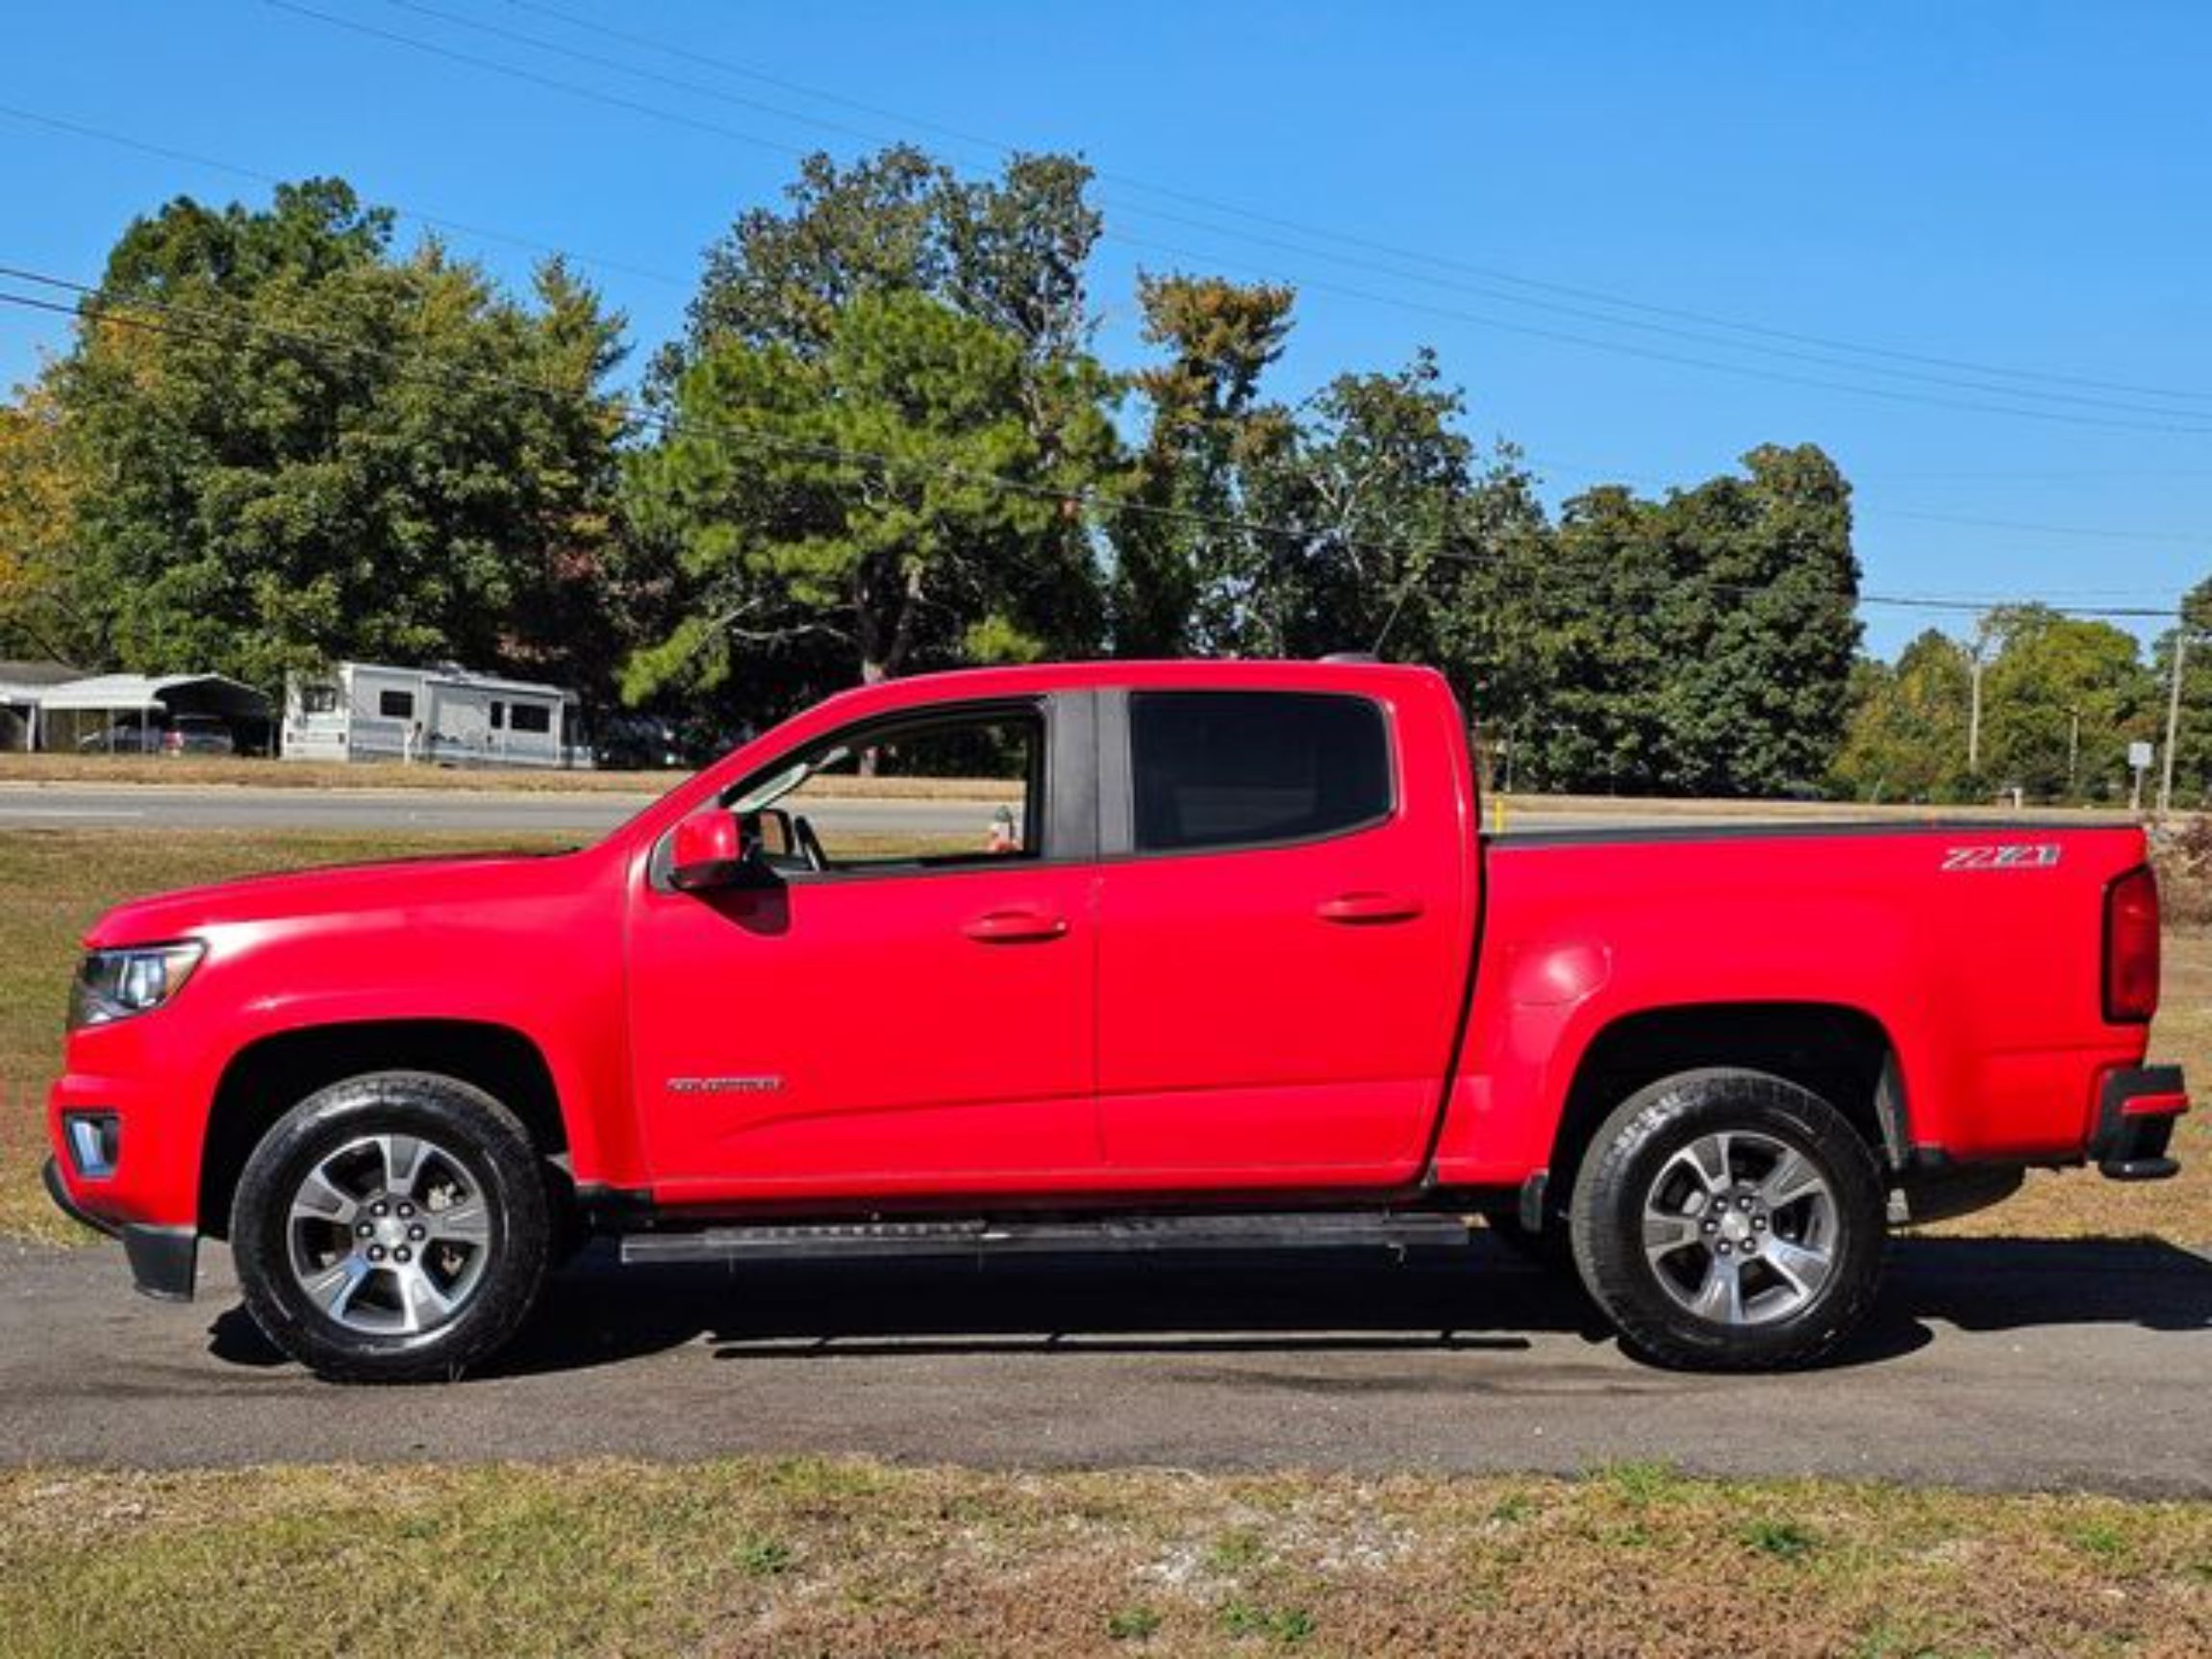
(1986, 980)
(1398, 1004)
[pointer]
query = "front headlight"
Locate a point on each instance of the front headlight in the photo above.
(115, 983)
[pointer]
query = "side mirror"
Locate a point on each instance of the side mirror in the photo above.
(711, 851)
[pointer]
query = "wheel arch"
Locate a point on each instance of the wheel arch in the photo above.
(1841, 1052)
(267, 1077)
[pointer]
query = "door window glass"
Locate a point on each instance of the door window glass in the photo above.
(1253, 768)
(932, 793)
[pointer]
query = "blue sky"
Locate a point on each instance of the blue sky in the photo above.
(2017, 187)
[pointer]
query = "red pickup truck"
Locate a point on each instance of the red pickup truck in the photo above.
(1213, 954)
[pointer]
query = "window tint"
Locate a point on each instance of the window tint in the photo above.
(1240, 768)
(395, 705)
(531, 718)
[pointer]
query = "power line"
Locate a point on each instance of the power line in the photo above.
(1541, 463)
(1708, 320)
(462, 227)
(151, 314)
(2160, 420)
(2025, 528)
(1584, 312)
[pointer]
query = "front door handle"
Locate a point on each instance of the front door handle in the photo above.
(1354, 909)
(1015, 926)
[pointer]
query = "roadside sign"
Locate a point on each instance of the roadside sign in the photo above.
(2141, 755)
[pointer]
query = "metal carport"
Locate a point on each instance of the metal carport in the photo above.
(96, 706)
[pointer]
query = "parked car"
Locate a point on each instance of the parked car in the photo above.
(637, 743)
(1223, 962)
(122, 738)
(198, 735)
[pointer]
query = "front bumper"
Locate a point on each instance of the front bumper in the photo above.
(164, 1261)
(2136, 1111)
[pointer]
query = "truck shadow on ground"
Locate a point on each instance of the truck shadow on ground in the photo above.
(1482, 1300)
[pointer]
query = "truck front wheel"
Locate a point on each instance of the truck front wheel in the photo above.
(1729, 1221)
(393, 1227)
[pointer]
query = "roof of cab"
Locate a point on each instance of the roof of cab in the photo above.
(1036, 679)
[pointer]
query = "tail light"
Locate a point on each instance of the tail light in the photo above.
(2131, 947)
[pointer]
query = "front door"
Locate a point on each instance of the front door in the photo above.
(908, 1011)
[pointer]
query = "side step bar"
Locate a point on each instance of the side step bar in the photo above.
(1311, 1230)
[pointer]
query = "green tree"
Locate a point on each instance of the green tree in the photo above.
(2192, 757)
(844, 508)
(1008, 252)
(315, 449)
(1184, 583)
(1906, 738)
(41, 483)
(1760, 627)
(2061, 699)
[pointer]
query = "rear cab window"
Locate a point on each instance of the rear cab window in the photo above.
(1226, 770)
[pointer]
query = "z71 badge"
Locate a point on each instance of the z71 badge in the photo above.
(2007, 855)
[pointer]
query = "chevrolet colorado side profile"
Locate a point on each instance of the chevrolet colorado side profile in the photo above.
(1220, 955)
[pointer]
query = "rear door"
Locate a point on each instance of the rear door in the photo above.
(1285, 924)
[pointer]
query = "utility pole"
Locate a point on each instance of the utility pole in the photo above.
(2072, 753)
(2172, 717)
(1974, 718)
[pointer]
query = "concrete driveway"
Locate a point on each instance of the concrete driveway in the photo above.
(1991, 1363)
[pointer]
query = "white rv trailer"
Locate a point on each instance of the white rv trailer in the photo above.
(443, 715)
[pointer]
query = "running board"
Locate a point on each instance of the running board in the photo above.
(1309, 1230)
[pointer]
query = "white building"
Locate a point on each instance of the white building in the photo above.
(443, 715)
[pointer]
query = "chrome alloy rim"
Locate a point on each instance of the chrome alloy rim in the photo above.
(390, 1235)
(1740, 1228)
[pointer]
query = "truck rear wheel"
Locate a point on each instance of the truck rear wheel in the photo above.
(393, 1227)
(1729, 1221)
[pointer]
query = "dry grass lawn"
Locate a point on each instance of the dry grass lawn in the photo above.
(756, 1558)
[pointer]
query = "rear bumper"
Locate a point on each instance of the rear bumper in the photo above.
(2136, 1111)
(164, 1261)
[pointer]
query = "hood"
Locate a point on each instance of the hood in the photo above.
(389, 884)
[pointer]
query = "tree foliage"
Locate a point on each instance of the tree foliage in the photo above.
(853, 496)
(883, 443)
(292, 445)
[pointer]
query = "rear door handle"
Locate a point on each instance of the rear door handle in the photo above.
(1015, 926)
(1356, 908)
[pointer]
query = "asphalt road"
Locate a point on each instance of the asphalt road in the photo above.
(2012, 1364)
(490, 813)
(494, 812)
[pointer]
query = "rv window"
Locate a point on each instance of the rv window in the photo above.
(532, 718)
(395, 705)
(318, 699)
(499, 716)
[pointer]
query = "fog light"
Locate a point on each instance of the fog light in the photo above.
(95, 1142)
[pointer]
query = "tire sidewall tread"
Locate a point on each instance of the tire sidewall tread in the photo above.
(1606, 1210)
(461, 1116)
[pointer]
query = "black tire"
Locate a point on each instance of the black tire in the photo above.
(1658, 1149)
(476, 1148)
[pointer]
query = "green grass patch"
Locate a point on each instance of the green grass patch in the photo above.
(810, 1557)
